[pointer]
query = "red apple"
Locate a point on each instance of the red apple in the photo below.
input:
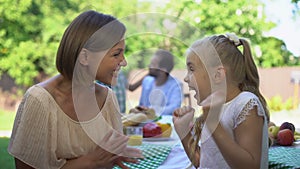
(285, 137)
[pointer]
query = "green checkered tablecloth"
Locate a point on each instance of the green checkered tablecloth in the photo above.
(284, 158)
(154, 155)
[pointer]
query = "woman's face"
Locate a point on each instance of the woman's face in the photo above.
(197, 77)
(111, 63)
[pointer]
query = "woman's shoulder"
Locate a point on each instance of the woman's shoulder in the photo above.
(37, 100)
(36, 91)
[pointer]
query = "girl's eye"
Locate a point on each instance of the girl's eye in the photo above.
(191, 68)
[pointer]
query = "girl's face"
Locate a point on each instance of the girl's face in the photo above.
(197, 77)
(107, 71)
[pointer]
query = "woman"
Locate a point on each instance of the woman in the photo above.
(69, 121)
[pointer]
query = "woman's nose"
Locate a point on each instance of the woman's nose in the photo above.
(123, 62)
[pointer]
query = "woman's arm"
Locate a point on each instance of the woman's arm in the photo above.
(245, 151)
(21, 165)
(91, 161)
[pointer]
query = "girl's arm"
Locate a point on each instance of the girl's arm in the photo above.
(245, 151)
(183, 120)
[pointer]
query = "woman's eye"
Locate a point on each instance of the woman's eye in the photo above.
(116, 54)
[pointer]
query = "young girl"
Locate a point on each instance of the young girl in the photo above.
(232, 131)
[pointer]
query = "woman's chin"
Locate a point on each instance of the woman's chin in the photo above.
(113, 81)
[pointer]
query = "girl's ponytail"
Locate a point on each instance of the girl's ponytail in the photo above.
(251, 81)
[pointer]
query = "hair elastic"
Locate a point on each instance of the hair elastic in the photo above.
(233, 38)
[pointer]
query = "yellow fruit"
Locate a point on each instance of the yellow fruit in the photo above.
(166, 129)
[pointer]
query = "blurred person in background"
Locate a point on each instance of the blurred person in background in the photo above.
(160, 90)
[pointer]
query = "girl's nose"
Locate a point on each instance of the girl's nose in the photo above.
(186, 79)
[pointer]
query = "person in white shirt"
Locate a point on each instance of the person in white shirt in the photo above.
(232, 130)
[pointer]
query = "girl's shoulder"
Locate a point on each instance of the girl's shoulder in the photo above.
(243, 102)
(244, 98)
(242, 105)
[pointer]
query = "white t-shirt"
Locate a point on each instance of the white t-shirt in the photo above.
(233, 114)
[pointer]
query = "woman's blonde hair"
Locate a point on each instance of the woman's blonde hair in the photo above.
(241, 67)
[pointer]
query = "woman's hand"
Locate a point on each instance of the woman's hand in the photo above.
(130, 155)
(183, 120)
(107, 152)
(116, 151)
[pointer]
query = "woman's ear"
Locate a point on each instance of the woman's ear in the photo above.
(83, 57)
(220, 74)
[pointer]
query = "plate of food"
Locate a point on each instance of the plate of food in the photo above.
(155, 131)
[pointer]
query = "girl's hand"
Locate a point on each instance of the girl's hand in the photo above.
(183, 120)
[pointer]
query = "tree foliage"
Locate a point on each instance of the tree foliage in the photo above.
(30, 31)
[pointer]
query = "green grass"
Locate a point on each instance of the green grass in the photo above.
(6, 160)
(6, 120)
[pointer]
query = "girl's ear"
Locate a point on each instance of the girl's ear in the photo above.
(220, 74)
(83, 57)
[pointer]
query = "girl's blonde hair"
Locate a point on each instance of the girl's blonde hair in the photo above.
(241, 69)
